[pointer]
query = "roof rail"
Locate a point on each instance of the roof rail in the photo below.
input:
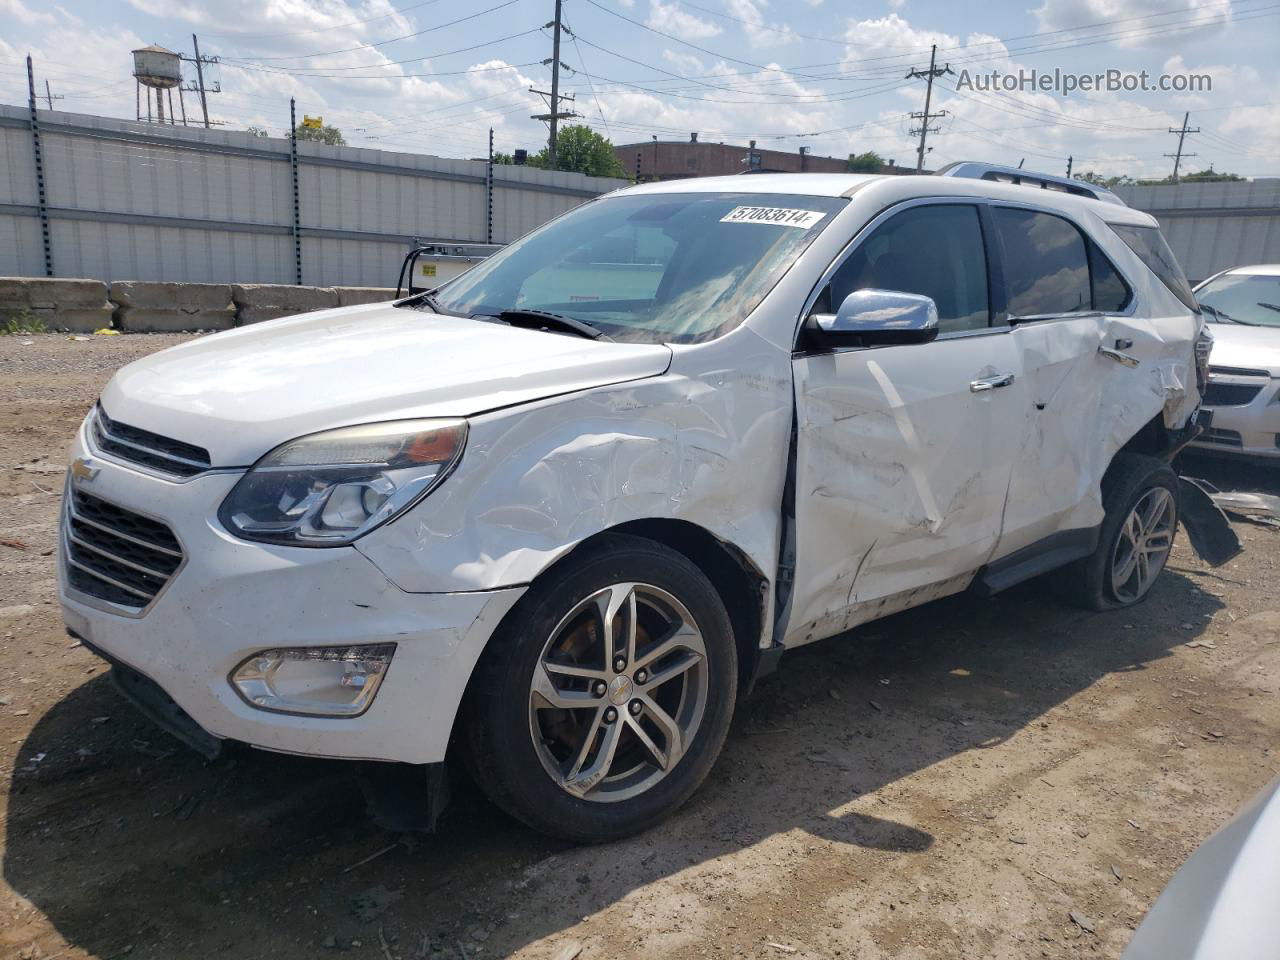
(977, 170)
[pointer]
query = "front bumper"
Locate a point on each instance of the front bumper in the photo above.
(1251, 429)
(230, 599)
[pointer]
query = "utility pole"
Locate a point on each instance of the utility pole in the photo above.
(1069, 159)
(924, 129)
(1182, 133)
(42, 195)
(297, 207)
(555, 114)
(488, 185)
(200, 61)
(48, 95)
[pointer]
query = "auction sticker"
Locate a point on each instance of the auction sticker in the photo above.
(778, 216)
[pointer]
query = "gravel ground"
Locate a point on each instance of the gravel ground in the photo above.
(953, 782)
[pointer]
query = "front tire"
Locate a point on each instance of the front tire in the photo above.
(605, 695)
(1140, 497)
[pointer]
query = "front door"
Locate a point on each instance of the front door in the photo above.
(904, 453)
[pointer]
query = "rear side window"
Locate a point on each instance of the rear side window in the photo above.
(934, 250)
(1046, 263)
(1149, 244)
(1110, 292)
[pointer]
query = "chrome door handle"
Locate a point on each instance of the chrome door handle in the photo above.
(1119, 357)
(990, 383)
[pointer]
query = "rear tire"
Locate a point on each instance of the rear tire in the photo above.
(1140, 497)
(605, 696)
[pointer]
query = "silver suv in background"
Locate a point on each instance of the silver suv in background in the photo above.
(1242, 400)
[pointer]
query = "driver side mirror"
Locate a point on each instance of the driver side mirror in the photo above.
(873, 318)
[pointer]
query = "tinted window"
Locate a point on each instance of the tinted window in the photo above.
(1110, 292)
(1149, 244)
(936, 251)
(1046, 263)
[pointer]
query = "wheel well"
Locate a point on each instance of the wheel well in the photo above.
(1152, 439)
(741, 586)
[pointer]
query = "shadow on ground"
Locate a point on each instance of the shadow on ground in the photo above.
(127, 841)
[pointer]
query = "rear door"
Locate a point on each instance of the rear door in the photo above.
(903, 453)
(1063, 295)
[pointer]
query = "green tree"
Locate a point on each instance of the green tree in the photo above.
(869, 162)
(581, 150)
(503, 159)
(259, 131)
(325, 134)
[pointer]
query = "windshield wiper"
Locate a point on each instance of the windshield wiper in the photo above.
(546, 320)
(1223, 315)
(1269, 306)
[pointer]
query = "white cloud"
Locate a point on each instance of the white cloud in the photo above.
(759, 33)
(1158, 31)
(14, 10)
(669, 18)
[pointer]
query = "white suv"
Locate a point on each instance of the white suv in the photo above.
(563, 510)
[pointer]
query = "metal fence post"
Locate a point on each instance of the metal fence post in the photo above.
(297, 213)
(42, 198)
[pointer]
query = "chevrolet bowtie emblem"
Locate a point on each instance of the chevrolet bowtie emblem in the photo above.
(82, 468)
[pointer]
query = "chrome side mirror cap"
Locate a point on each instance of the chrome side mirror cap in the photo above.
(872, 318)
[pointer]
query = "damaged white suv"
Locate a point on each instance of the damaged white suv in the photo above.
(563, 510)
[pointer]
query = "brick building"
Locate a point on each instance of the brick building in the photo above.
(676, 159)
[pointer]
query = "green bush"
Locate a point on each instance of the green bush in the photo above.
(24, 321)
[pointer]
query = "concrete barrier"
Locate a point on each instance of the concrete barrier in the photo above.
(147, 307)
(79, 305)
(350, 296)
(256, 302)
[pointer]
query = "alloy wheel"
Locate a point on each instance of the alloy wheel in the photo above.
(619, 692)
(1146, 537)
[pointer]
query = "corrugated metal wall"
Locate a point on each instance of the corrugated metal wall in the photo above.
(1213, 226)
(138, 201)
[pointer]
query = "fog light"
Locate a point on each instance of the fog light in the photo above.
(314, 681)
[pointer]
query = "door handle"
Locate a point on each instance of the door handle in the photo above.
(990, 383)
(1119, 357)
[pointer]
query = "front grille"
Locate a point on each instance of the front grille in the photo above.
(146, 448)
(116, 555)
(1224, 438)
(1229, 394)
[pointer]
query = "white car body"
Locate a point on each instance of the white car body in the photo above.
(907, 484)
(1244, 381)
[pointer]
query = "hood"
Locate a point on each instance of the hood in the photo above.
(1254, 348)
(240, 393)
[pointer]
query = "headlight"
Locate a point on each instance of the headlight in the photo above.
(328, 489)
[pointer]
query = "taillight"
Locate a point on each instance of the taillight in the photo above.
(1204, 346)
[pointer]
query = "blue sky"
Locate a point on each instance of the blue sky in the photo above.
(434, 76)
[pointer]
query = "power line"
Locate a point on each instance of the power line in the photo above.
(406, 36)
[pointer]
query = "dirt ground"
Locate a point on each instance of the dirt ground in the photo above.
(951, 783)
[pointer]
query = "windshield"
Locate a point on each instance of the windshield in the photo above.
(1242, 298)
(661, 268)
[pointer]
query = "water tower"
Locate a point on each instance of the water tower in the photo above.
(159, 70)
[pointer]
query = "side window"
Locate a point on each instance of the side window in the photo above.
(1110, 292)
(1150, 246)
(1046, 263)
(936, 251)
